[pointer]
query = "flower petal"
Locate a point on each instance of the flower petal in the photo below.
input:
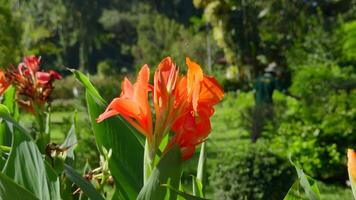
(351, 163)
(211, 92)
(32, 62)
(194, 78)
(106, 114)
(43, 77)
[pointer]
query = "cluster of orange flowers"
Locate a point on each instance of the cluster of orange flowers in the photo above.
(182, 104)
(32, 85)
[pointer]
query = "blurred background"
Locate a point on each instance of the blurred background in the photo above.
(288, 68)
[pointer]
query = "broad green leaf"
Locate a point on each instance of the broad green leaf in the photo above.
(10, 102)
(26, 166)
(182, 194)
(83, 184)
(11, 190)
(308, 184)
(127, 145)
(167, 171)
(126, 162)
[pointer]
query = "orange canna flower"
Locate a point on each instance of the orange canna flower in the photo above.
(4, 83)
(351, 163)
(133, 104)
(183, 104)
(194, 127)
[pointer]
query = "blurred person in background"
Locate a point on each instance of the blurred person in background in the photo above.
(264, 87)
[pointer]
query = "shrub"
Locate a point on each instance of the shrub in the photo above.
(109, 86)
(319, 127)
(251, 171)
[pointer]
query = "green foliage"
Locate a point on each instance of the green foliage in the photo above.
(251, 171)
(109, 87)
(319, 128)
(349, 46)
(159, 36)
(25, 164)
(10, 36)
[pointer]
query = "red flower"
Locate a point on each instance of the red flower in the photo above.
(32, 86)
(45, 77)
(32, 62)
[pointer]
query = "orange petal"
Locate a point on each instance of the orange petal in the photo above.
(351, 163)
(140, 96)
(211, 92)
(195, 73)
(106, 114)
(126, 89)
(194, 79)
(164, 70)
(141, 87)
(4, 84)
(125, 107)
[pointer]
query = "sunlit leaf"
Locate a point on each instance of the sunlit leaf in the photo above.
(307, 183)
(26, 165)
(10, 102)
(167, 171)
(126, 143)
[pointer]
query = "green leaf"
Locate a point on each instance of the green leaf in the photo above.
(83, 184)
(308, 184)
(294, 193)
(167, 171)
(127, 145)
(88, 86)
(26, 166)
(182, 194)
(126, 162)
(10, 102)
(71, 140)
(198, 186)
(11, 190)
(101, 102)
